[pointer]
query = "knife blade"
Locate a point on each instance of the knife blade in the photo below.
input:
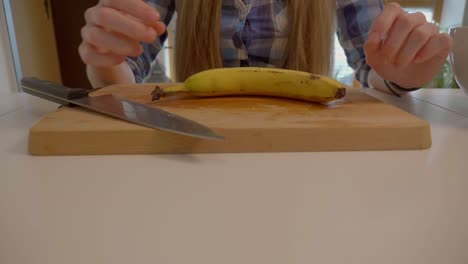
(118, 107)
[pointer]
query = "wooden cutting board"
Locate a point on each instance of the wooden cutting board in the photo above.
(249, 124)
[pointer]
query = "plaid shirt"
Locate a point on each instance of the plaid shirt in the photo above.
(254, 33)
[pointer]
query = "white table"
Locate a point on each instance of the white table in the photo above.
(405, 207)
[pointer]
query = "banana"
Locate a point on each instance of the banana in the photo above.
(253, 81)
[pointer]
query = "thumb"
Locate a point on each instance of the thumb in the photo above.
(372, 50)
(373, 43)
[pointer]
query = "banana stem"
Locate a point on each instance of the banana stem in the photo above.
(159, 92)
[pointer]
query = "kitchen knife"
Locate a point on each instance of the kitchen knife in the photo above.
(117, 107)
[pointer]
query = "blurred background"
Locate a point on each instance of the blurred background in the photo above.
(44, 36)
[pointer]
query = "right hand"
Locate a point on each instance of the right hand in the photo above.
(114, 30)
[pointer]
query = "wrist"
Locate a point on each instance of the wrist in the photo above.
(403, 88)
(104, 76)
(397, 90)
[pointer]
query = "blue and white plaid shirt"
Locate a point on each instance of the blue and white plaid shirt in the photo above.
(254, 33)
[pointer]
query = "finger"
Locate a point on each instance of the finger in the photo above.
(373, 42)
(105, 40)
(114, 20)
(399, 33)
(372, 54)
(372, 51)
(136, 8)
(160, 28)
(385, 20)
(439, 45)
(416, 41)
(372, 45)
(91, 56)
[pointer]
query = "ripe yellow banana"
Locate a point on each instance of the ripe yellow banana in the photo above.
(245, 81)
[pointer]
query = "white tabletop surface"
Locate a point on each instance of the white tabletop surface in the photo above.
(405, 207)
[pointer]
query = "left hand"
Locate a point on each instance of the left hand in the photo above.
(406, 49)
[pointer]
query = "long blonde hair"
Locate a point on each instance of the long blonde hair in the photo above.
(309, 48)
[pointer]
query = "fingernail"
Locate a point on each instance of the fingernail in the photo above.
(151, 33)
(374, 37)
(155, 16)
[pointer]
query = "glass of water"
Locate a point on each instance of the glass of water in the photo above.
(459, 56)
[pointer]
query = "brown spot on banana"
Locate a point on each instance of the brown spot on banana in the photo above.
(340, 93)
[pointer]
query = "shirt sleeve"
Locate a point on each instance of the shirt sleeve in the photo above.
(354, 20)
(141, 65)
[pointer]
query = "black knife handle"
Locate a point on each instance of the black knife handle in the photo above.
(51, 91)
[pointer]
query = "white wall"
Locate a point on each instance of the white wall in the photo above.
(453, 12)
(7, 74)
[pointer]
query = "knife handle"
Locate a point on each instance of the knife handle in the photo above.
(51, 91)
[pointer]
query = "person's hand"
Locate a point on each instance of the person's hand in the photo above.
(115, 29)
(405, 49)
